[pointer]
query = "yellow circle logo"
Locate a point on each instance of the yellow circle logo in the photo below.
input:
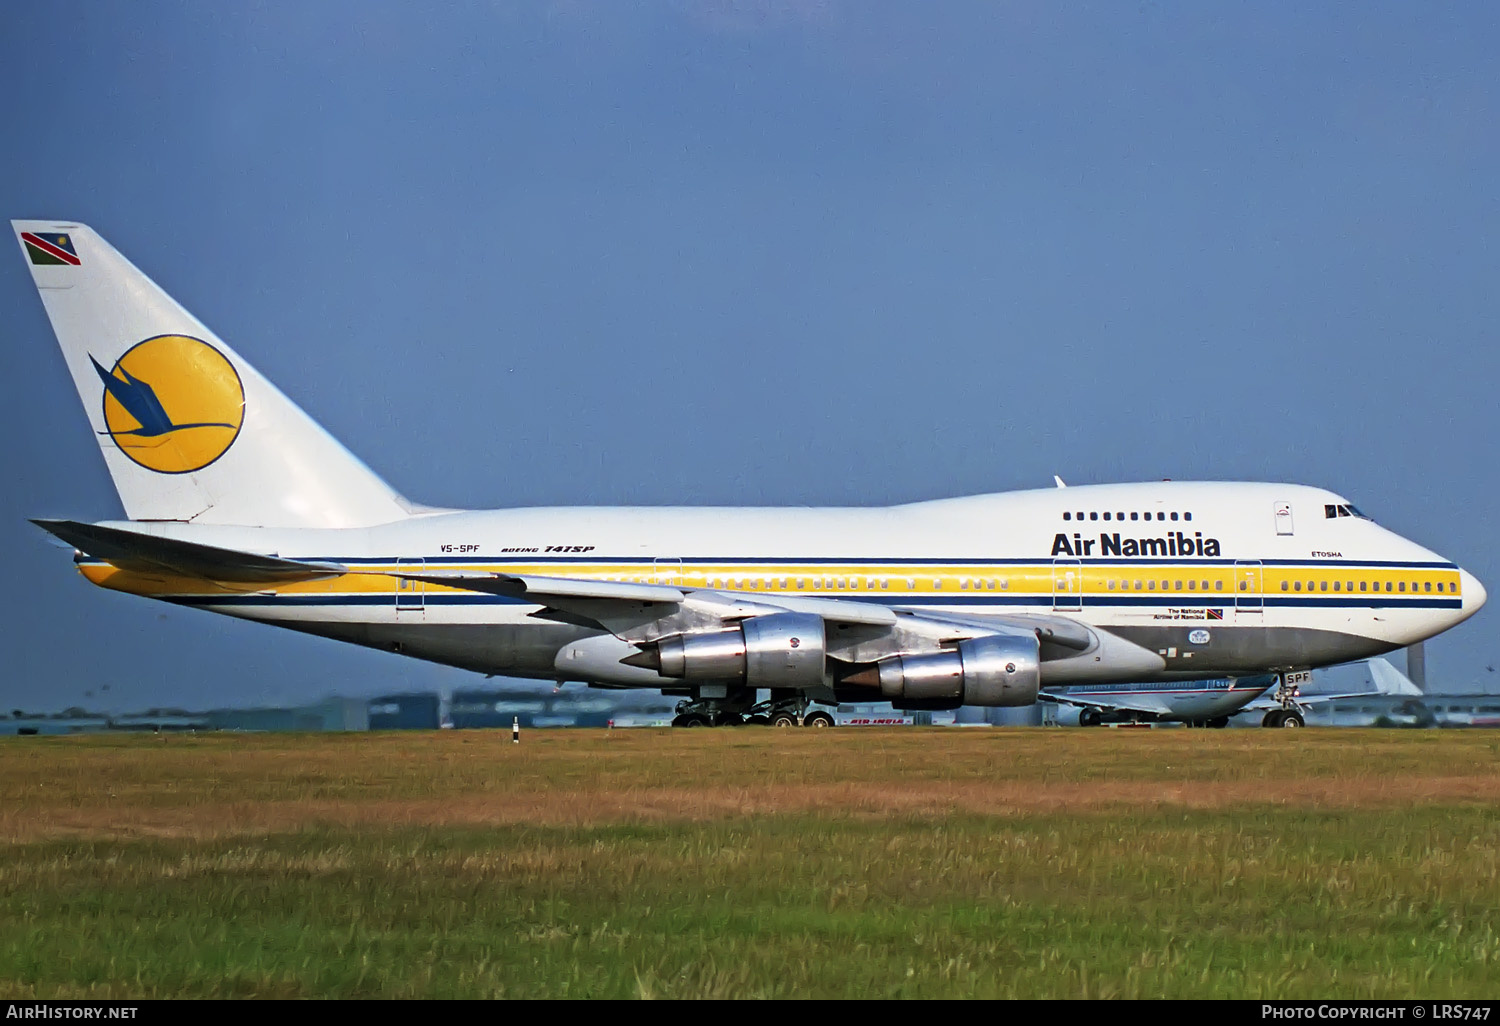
(173, 403)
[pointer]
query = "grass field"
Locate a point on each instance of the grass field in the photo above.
(753, 862)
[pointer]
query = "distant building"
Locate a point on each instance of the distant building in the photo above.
(404, 712)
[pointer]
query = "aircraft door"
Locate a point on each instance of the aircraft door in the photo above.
(666, 571)
(1249, 603)
(1067, 584)
(411, 596)
(1283, 518)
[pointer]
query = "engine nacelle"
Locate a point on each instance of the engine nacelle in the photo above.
(994, 670)
(779, 650)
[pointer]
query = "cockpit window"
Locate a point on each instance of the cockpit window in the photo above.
(1332, 511)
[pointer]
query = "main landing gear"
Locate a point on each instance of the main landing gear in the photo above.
(780, 711)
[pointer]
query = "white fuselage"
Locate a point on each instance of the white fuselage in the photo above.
(1213, 578)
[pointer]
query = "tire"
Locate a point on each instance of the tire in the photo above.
(783, 719)
(1218, 722)
(1292, 719)
(817, 719)
(1090, 718)
(693, 720)
(1273, 718)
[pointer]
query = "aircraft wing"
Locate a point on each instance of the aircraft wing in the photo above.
(145, 553)
(858, 631)
(1144, 703)
(1385, 680)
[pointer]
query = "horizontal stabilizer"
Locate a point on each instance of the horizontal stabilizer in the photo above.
(145, 553)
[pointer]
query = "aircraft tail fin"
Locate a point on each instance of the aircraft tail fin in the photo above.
(189, 430)
(1389, 680)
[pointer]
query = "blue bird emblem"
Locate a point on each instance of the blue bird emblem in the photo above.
(139, 400)
(173, 403)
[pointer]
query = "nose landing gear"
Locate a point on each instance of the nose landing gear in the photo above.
(1290, 713)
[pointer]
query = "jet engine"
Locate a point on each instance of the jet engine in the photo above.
(779, 650)
(994, 670)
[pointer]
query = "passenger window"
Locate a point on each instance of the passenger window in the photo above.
(1401, 586)
(1150, 585)
(1005, 584)
(1297, 586)
(1362, 585)
(1428, 586)
(1111, 585)
(1218, 586)
(1309, 585)
(1324, 586)
(1179, 585)
(1137, 585)
(1244, 586)
(1387, 585)
(885, 584)
(1440, 585)
(1335, 585)
(1285, 586)
(1192, 585)
(1164, 585)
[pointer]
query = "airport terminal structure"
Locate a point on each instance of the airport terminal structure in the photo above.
(532, 707)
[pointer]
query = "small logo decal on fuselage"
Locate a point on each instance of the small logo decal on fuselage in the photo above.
(1199, 637)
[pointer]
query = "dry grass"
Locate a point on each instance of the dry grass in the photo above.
(208, 786)
(754, 862)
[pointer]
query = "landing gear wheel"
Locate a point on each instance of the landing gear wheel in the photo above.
(817, 719)
(691, 720)
(1272, 718)
(758, 720)
(1218, 722)
(1090, 718)
(1291, 719)
(783, 719)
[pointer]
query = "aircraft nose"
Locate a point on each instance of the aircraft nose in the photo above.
(1473, 593)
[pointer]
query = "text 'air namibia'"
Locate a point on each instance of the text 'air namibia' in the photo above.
(239, 503)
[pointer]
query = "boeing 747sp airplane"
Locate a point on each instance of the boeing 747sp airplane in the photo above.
(240, 504)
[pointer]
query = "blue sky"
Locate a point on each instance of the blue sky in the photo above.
(763, 252)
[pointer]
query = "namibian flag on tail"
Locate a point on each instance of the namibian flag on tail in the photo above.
(51, 248)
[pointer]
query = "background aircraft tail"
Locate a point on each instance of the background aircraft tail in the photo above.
(189, 430)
